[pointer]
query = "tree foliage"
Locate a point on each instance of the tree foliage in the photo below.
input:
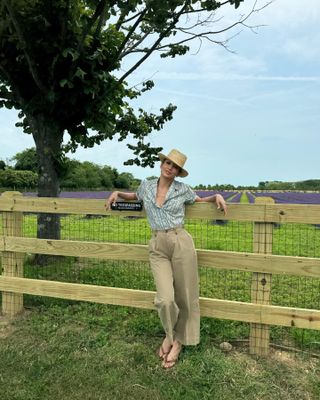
(62, 66)
(10, 178)
(76, 174)
(26, 160)
(309, 184)
(62, 60)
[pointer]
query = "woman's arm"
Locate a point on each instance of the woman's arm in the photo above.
(124, 195)
(215, 198)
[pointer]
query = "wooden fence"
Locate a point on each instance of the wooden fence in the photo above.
(261, 263)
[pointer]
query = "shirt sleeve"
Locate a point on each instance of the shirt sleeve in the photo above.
(141, 191)
(190, 195)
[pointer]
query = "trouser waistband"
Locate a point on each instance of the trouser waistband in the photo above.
(175, 229)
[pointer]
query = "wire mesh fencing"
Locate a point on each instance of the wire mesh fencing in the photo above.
(225, 284)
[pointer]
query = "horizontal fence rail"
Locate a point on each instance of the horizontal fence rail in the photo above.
(260, 263)
(250, 262)
(278, 213)
(233, 310)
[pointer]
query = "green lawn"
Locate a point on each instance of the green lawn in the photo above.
(69, 350)
(62, 350)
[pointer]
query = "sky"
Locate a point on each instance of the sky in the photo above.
(243, 116)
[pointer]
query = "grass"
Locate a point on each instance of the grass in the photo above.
(70, 350)
(288, 239)
(64, 350)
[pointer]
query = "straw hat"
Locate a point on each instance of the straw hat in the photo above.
(177, 158)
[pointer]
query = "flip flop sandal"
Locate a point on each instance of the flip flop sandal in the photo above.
(162, 354)
(171, 362)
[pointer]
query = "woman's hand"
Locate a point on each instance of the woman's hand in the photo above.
(221, 204)
(111, 199)
(215, 198)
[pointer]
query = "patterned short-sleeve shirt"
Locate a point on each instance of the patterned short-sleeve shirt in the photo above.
(172, 212)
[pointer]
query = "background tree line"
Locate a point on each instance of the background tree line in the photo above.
(23, 174)
(309, 184)
(77, 175)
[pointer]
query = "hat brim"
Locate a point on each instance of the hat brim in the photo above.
(183, 173)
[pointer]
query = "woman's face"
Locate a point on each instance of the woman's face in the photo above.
(169, 169)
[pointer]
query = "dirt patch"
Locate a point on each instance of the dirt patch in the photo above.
(251, 364)
(7, 325)
(291, 361)
(296, 361)
(285, 357)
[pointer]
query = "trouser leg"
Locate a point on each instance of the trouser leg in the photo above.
(162, 273)
(174, 265)
(186, 287)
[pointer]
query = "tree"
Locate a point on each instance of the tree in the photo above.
(262, 185)
(124, 181)
(108, 177)
(60, 66)
(74, 178)
(2, 165)
(18, 179)
(26, 160)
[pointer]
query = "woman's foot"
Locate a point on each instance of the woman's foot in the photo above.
(170, 360)
(165, 348)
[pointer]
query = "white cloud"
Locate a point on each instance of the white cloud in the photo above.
(305, 47)
(198, 95)
(290, 14)
(176, 76)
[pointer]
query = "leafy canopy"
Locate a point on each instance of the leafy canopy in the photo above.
(62, 60)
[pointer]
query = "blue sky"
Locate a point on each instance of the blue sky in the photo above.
(244, 116)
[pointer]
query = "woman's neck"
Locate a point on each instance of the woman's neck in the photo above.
(163, 187)
(164, 182)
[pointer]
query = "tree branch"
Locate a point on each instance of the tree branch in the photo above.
(135, 45)
(96, 15)
(154, 46)
(199, 10)
(206, 35)
(102, 18)
(30, 62)
(241, 21)
(122, 21)
(131, 31)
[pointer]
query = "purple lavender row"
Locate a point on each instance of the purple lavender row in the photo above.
(105, 194)
(78, 195)
(291, 197)
(226, 195)
(232, 197)
(251, 197)
(236, 198)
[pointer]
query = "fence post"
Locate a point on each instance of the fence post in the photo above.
(12, 263)
(261, 283)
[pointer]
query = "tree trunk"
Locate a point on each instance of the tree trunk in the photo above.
(48, 140)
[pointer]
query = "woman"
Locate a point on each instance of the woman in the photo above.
(172, 253)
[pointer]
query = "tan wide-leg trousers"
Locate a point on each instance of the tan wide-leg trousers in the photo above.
(174, 266)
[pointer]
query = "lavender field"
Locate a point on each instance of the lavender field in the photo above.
(229, 196)
(104, 194)
(288, 197)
